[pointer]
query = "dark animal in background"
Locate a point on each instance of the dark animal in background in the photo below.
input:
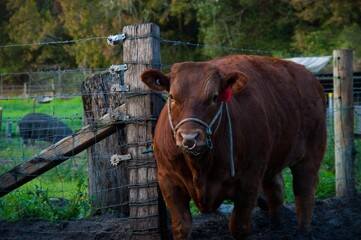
(277, 112)
(42, 127)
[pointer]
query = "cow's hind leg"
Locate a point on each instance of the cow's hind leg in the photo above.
(305, 178)
(273, 190)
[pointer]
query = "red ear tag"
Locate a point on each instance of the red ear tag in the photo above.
(226, 95)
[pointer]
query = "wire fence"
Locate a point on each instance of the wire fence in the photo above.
(71, 190)
(58, 84)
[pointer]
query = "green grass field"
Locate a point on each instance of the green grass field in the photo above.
(40, 197)
(70, 111)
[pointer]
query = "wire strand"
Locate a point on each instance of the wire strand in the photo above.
(162, 40)
(52, 42)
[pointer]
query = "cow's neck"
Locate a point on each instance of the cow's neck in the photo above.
(200, 168)
(200, 165)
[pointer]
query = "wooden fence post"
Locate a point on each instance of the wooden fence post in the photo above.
(107, 183)
(141, 50)
(344, 123)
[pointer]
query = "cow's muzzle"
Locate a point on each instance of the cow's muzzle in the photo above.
(189, 141)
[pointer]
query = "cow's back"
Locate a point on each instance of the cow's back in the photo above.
(288, 97)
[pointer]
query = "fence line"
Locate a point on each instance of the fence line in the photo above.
(57, 71)
(78, 117)
(50, 84)
(52, 42)
(115, 39)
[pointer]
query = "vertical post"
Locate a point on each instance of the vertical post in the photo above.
(53, 88)
(8, 131)
(344, 123)
(107, 183)
(25, 90)
(141, 50)
(60, 86)
(29, 88)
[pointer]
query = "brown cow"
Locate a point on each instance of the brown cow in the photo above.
(209, 150)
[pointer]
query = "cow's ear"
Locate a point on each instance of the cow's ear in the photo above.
(155, 80)
(236, 80)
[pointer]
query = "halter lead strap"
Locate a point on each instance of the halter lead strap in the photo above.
(230, 135)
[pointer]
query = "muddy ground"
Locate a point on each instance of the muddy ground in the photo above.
(334, 218)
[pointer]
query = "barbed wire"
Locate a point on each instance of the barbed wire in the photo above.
(72, 70)
(52, 42)
(202, 45)
(115, 39)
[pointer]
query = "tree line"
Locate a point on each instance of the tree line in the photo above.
(273, 27)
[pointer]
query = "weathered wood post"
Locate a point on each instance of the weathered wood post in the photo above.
(344, 123)
(107, 183)
(141, 50)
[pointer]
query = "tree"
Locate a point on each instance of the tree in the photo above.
(323, 25)
(33, 23)
(102, 18)
(248, 24)
(264, 27)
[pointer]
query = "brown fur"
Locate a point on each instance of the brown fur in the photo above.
(278, 119)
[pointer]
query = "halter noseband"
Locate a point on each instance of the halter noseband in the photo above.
(207, 126)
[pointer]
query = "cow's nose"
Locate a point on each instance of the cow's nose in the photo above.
(189, 140)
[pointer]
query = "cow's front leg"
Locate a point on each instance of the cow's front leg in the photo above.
(240, 219)
(177, 201)
(181, 223)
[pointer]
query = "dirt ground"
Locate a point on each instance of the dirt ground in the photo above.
(334, 218)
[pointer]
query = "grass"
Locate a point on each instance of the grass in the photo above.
(59, 194)
(70, 111)
(51, 200)
(41, 197)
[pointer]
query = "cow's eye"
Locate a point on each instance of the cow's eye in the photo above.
(215, 97)
(172, 99)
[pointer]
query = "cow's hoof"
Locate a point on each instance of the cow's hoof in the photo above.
(276, 226)
(304, 234)
(262, 203)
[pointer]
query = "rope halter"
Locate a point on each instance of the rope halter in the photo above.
(208, 127)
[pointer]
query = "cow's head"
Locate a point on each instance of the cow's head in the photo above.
(195, 104)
